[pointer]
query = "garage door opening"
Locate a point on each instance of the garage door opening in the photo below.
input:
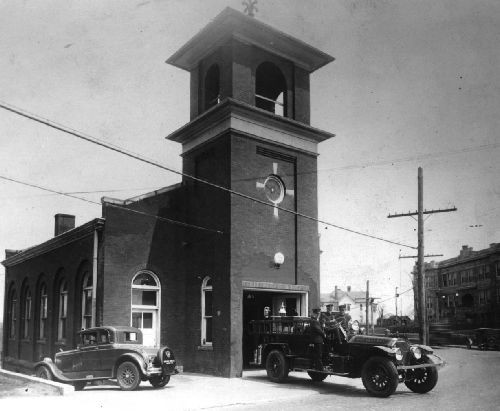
(279, 303)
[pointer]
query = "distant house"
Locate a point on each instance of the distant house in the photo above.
(355, 302)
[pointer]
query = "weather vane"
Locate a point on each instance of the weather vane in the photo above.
(250, 7)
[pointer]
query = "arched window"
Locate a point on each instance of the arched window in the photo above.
(26, 313)
(146, 306)
(62, 310)
(212, 87)
(270, 89)
(42, 312)
(206, 311)
(12, 313)
(87, 301)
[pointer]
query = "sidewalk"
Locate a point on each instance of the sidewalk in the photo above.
(185, 391)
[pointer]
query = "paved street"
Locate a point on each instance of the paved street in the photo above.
(469, 381)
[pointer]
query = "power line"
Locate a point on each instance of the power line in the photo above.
(391, 298)
(138, 157)
(168, 220)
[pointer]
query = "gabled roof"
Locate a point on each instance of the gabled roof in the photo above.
(234, 24)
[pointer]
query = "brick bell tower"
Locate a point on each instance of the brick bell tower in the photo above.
(249, 132)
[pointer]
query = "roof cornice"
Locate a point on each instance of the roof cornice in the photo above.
(234, 24)
(247, 119)
(65, 238)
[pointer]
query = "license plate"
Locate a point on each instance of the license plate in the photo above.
(169, 362)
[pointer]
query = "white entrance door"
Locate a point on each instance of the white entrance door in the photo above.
(146, 321)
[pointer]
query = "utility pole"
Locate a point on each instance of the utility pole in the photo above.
(421, 312)
(367, 302)
(396, 295)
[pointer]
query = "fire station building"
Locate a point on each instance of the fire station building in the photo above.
(191, 264)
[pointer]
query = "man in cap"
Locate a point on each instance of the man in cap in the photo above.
(343, 318)
(317, 338)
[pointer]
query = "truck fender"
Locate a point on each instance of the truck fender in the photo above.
(272, 346)
(384, 350)
(133, 357)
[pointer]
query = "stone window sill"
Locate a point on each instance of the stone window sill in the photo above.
(205, 348)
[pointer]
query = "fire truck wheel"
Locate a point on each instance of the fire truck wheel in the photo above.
(276, 366)
(380, 376)
(424, 380)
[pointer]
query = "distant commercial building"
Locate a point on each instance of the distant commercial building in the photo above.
(464, 290)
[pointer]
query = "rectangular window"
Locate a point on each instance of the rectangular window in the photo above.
(63, 312)
(27, 318)
(43, 316)
(143, 297)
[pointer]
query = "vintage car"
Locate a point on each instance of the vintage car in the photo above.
(110, 353)
(484, 339)
(284, 344)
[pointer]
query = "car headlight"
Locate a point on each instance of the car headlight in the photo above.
(417, 352)
(399, 354)
(168, 354)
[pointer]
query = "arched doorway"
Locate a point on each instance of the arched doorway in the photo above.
(146, 306)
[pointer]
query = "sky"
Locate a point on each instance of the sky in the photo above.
(414, 84)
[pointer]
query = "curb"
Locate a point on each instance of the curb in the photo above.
(53, 387)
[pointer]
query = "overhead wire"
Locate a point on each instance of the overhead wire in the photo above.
(138, 157)
(169, 220)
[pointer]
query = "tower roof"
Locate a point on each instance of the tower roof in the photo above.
(233, 24)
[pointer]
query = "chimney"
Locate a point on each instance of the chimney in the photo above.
(63, 223)
(336, 293)
(9, 253)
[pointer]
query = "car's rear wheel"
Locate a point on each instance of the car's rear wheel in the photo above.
(317, 376)
(79, 385)
(380, 376)
(423, 380)
(44, 373)
(159, 381)
(276, 366)
(128, 376)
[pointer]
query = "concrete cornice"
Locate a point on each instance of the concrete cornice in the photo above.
(68, 237)
(234, 24)
(243, 118)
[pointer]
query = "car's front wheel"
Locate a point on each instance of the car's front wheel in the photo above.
(159, 381)
(422, 380)
(276, 366)
(44, 373)
(128, 376)
(380, 376)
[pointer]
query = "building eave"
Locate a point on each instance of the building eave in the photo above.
(61, 240)
(233, 24)
(247, 119)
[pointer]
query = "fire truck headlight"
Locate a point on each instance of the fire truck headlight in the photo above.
(417, 352)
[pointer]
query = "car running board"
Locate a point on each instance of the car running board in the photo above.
(325, 371)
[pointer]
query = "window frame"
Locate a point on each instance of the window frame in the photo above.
(43, 312)
(27, 306)
(86, 301)
(204, 317)
(62, 310)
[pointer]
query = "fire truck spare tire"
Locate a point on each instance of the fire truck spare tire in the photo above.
(380, 376)
(317, 376)
(422, 379)
(276, 366)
